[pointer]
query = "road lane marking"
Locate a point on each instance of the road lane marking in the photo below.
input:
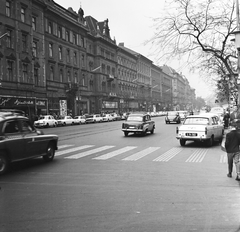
(114, 153)
(169, 154)
(223, 158)
(86, 153)
(141, 154)
(58, 153)
(197, 156)
(64, 146)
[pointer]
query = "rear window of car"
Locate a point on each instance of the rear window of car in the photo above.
(89, 116)
(198, 121)
(172, 113)
(135, 118)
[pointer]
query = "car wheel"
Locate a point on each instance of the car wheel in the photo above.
(152, 131)
(126, 133)
(182, 142)
(47, 125)
(80, 123)
(144, 132)
(210, 142)
(4, 163)
(49, 153)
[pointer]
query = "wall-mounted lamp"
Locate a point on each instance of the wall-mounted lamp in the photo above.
(96, 69)
(5, 34)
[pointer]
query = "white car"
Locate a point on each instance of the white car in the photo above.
(65, 120)
(107, 118)
(202, 128)
(93, 118)
(80, 120)
(46, 121)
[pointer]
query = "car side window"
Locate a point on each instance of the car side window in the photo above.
(11, 127)
(26, 127)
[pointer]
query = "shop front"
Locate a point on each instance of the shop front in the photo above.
(109, 107)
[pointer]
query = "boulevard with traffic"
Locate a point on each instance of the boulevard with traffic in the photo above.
(103, 181)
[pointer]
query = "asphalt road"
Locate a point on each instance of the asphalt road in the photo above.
(101, 181)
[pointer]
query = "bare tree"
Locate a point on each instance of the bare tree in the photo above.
(201, 31)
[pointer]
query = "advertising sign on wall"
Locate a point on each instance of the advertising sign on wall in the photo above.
(63, 107)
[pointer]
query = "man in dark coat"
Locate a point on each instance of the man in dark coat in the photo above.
(233, 152)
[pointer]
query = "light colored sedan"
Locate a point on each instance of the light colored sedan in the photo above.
(46, 121)
(80, 120)
(65, 120)
(202, 128)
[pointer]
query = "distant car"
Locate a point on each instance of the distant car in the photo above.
(182, 114)
(107, 118)
(202, 128)
(93, 118)
(21, 141)
(172, 116)
(46, 121)
(65, 120)
(116, 117)
(79, 120)
(138, 124)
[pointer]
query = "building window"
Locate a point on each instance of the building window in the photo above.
(9, 39)
(50, 28)
(34, 23)
(34, 49)
(103, 68)
(75, 58)
(82, 42)
(59, 32)
(75, 78)
(61, 75)
(83, 80)
(25, 72)
(51, 73)
(23, 14)
(24, 42)
(10, 70)
(8, 8)
(68, 76)
(68, 56)
(67, 36)
(83, 60)
(60, 53)
(50, 50)
(108, 69)
(74, 39)
(36, 76)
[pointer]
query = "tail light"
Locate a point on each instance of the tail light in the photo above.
(205, 130)
(177, 130)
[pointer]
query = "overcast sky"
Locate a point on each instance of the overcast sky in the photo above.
(130, 22)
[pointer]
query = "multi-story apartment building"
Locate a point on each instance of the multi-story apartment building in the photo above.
(127, 79)
(55, 60)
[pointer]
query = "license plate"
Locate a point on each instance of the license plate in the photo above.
(131, 127)
(191, 134)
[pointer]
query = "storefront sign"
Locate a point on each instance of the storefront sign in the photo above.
(109, 105)
(13, 101)
(41, 103)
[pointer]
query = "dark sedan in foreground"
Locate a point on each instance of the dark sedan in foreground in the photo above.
(138, 123)
(19, 140)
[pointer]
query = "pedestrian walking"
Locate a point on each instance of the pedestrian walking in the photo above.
(234, 116)
(226, 118)
(232, 144)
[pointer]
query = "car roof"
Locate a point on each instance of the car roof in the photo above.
(201, 116)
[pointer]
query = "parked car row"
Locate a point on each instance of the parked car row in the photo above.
(50, 121)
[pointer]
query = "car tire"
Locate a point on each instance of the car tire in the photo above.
(152, 131)
(47, 125)
(182, 142)
(210, 142)
(4, 163)
(125, 133)
(144, 132)
(50, 153)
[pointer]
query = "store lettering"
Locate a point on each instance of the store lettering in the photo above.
(24, 102)
(40, 103)
(4, 101)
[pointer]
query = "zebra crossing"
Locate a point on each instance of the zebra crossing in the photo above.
(69, 151)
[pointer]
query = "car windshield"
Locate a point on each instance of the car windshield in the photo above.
(42, 117)
(198, 121)
(76, 117)
(135, 118)
(172, 113)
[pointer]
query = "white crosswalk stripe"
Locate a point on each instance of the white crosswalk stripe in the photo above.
(114, 153)
(73, 153)
(64, 152)
(197, 156)
(86, 153)
(168, 155)
(223, 158)
(141, 154)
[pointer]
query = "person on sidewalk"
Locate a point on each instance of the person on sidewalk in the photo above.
(232, 144)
